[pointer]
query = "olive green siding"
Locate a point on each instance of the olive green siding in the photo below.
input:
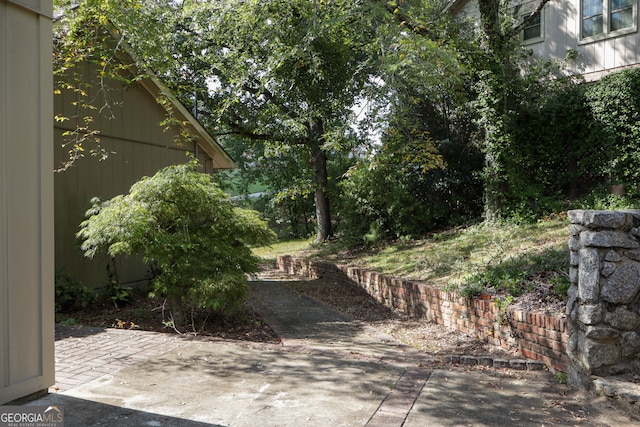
(137, 145)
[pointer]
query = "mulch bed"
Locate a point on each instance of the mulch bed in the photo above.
(149, 314)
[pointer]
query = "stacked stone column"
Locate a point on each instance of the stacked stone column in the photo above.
(603, 309)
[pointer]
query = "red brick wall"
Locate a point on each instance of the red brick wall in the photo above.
(533, 335)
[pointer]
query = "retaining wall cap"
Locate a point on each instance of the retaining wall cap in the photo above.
(606, 219)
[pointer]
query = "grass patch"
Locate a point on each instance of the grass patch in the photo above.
(285, 247)
(496, 258)
(501, 258)
(455, 255)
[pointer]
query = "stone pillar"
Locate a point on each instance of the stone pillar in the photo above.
(603, 309)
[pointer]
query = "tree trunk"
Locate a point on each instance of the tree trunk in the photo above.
(500, 99)
(490, 23)
(177, 313)
(320, 180)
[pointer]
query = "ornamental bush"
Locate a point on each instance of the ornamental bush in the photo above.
(188, 232)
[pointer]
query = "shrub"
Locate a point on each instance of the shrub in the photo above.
(185, 227)
(615, 103)
(601, 197)
(394, 194)
(575, 141)
(71, 295)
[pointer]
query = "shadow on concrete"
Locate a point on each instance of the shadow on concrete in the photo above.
(81, 412)
(75, 331)
(231, 383)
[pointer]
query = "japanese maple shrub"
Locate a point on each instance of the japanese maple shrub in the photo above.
(188, 231)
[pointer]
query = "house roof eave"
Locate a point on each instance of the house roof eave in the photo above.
(205, 140)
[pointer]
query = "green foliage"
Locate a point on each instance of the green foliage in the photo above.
(280, 73)
(502, 304)
(615, 103)
(560, 286)
(118, 294)
(186, 229)
(371, 212)
(469, 290)
(561, 377)
(92, 41)
(602, 197)
(410, 187)
(288, 204)
(572, 142)
(71, 295)
(424, 173)
(515, 275)
(504, 277)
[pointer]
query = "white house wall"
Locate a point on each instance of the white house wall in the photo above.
(591, 59)
(26, 199)
(562, 39)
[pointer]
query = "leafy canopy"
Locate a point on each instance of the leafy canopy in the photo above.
(270, 66)
(282, 73)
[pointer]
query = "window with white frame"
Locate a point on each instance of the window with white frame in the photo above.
(601, 18)
(533, 32)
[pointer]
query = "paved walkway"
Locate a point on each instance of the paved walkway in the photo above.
(85, 354)
(328, 371)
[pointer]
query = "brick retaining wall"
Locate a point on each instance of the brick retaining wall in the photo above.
(533, 335)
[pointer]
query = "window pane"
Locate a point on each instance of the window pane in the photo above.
(621, 4)
(622, 19)
(533, 28)
(535, 20)
(591, 8)
(592, 26)
(531, 32)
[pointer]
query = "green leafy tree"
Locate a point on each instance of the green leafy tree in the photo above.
(498, 66)
(287, 201)
(425, 155)
(189, 233)
(492, 64)
(283, 73)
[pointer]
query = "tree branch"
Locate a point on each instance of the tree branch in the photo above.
(515, 30)
(234, 123)
(405, 21)
(271, 98)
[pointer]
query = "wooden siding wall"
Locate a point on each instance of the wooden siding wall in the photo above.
(138, 147)
(562, 35)
(26, 199)
(593, 59)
